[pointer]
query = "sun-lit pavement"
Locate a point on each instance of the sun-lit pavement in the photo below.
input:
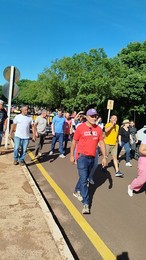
(27, 229)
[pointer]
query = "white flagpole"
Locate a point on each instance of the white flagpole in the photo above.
(9, 105)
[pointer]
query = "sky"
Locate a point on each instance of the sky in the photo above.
(34, 33)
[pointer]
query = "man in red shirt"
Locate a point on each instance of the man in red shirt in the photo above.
(85, 140)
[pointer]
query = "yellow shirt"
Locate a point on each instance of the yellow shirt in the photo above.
(112, 135)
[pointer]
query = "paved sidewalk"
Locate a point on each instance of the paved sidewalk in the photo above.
(27, 228)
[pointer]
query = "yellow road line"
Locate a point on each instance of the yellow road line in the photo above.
(100, 246)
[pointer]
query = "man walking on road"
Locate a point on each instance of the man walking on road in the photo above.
(3, 120)
(21, 123)
(40, 130)
(85, 140)
(57, 126)
(111, 141)
(67, 131)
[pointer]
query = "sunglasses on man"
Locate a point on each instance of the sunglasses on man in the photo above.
(94, 116)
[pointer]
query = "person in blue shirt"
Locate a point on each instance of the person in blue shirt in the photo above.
(57, 127)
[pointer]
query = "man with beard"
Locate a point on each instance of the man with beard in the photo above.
(85, 140)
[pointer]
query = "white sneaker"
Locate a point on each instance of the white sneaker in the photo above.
(77, 194)
(51, 152)
(129, 164)
(62, 156)
(86, 209)
(130, 191)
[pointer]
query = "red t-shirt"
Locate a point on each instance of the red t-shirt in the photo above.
(67, 126)
(88, 139)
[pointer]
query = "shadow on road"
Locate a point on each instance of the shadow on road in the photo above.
(123, 256)
(44, 158)
(143, 189)
(100, 177)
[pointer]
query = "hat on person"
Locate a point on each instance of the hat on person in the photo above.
(1, 101)
(91, 112)
(126, 121)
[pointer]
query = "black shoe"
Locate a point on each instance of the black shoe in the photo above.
(21, 163)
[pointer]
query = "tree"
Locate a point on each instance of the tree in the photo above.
(133, 91)
(90, 79)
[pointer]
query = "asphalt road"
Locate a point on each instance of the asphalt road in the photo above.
(116, 222)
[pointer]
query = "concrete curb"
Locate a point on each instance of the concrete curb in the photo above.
(54, 229)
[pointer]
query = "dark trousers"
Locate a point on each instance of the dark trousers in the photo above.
(66, 139)
(39, 144)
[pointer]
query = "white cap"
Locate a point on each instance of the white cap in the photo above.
(1, 101)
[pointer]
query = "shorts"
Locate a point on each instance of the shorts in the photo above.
(113, 149)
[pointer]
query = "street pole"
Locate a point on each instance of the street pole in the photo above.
(9, 104)
(109, 111)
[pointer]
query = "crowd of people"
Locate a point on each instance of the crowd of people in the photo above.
(89, 138)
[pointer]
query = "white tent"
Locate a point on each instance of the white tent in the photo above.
(142, 133)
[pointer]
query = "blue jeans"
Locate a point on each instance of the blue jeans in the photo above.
(127, 149)
(20, 144)
(84, 166)
(60, 138)
(94, 165)
(1, 136)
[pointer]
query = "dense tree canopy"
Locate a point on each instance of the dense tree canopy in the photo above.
(90, 79)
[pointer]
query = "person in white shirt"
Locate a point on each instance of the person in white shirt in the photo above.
(22, 124)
